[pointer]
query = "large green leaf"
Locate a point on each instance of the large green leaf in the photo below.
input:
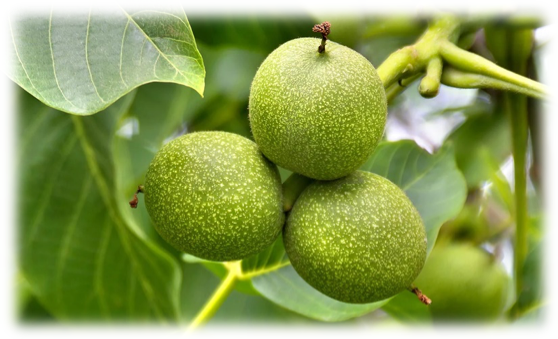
(481, 139)
(22, 314)
(256, 26)
(286, 288)
(83, 62)
(432, 181)
(80, 256)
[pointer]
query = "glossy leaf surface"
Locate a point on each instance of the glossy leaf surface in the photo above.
(83, 63)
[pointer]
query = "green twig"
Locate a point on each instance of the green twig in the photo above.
(438, 44)
(460, 79)
(520, 44)
(517, 107)
(394, 90)
(396, 65)
(474, 63)
(412, 59)
(430, 84)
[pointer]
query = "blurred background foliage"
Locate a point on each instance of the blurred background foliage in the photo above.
(473, 122)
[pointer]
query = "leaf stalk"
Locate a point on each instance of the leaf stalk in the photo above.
(219, 296)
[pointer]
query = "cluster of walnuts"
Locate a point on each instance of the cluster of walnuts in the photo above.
(320, 113)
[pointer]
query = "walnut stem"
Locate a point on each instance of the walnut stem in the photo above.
(422, 297)
(134, 201)
(324, 28)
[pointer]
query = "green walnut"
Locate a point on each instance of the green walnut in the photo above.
(215, 196)
(317, 114)
(358, 239)
(465, 283)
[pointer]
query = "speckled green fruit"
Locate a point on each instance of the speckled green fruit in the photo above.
(465, 283)
(215, 196)
(317, 114)
(358, 239)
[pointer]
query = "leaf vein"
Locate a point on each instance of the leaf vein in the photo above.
(46, 192)
(87, 58)
(54, 63)
(99, 265)
(157, 12)
(21, 63)
(436, 161)
(66, 241)
(122, 52)
(156, 47)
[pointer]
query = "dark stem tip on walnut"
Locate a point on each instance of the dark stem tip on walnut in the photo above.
(422, 297)
(134, 201)
(324, 28)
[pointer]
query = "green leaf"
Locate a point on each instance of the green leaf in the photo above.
(22, 314)
(242, 308)
(482, 136)
(83, 62)
(286, 288)
(80, 256)
(539, 285)
(432, 181)
(258, 27)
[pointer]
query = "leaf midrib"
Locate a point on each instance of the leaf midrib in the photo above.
(21, 63)
(53, 62)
